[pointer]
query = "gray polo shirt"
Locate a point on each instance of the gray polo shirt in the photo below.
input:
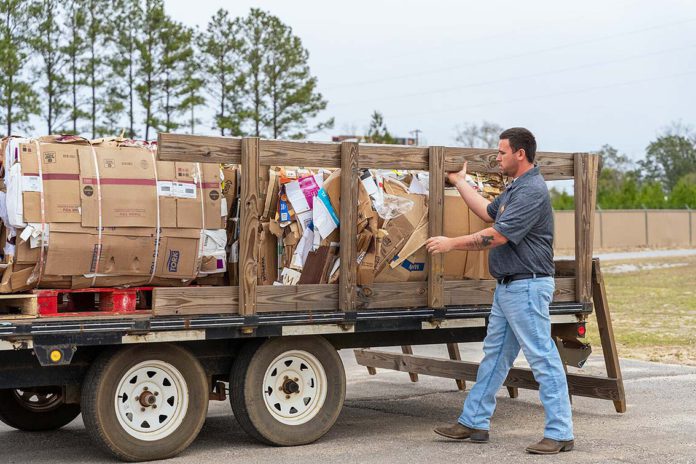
(523, 215)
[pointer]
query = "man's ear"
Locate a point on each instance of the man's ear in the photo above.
(522, 155)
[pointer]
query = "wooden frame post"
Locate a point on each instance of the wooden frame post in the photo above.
(606, 335)
(249, 226)
(436, 204)
(586, 166)
(348, 274)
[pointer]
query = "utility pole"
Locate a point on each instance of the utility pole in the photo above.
(416, 133)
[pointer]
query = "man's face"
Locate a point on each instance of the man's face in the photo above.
(507, 158)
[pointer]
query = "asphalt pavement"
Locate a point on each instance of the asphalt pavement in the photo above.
(388, 419)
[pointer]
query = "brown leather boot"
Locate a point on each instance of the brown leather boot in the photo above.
(549, 446)
(462, 432)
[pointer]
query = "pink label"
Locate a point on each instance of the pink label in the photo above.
(309, 188)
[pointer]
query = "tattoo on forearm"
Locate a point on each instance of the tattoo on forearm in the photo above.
(486, 240)
(481, 241)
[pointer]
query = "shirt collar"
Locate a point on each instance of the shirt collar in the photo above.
(524, 178)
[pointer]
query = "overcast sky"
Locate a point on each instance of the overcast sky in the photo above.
(578, 74)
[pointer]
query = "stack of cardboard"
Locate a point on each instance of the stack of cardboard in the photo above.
(106, 213)
(299, 231)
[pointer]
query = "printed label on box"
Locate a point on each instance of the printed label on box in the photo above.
(173, 261)
(164, 188)
(183, 190)
(32, 184)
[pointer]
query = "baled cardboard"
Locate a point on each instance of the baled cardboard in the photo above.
(125, 177)
(60, 172)
(455, 224)
(268, 256)
(477, 261)
(203, 181)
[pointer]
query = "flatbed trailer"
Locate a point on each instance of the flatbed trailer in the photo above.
(141, 364)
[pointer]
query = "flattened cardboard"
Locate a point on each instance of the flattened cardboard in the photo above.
(60, 171)
(455, 224)
(413, 269)
(188, 210)
(268, 256)
(477, 261)
(126, 178)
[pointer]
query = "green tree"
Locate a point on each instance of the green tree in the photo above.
(221, 48)
(377, 132)
(684, 192)
(94, 70)
(486, 135)
(46, 43)
(192, 87)
(177, 49)
(281, 94)
(252, 32)
(75, 24)
(150, 50)
(124, 60)
(561, 200)
(17, 97)
(652, 195)
(289, 85)
(671, 156)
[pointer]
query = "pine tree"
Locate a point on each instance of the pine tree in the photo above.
(94, 69)
(291, 89)
(221, 49)
(46, 43)
(75, 23)
(193, 85)
(177, 49)
(17, 98)
(280, 92)
(124, 61)
(252, 30)
(378, 132)
(150, 56)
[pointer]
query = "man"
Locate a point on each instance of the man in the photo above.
(521, 260)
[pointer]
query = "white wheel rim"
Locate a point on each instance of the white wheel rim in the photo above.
(165, 400)
(294, 387)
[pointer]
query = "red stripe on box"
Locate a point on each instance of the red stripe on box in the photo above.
(54, 175)
(210, 185)
(115, 181)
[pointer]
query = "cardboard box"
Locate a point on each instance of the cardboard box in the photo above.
(60, 170)
(126, 178)
(412, 269)
(477, 261)
(455, 224)
(203, 185)
(268, 256)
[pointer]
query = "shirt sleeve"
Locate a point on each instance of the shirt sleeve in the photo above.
(520, 214)
(492, 208)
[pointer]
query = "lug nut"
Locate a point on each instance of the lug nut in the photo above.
(142, 409)
(144, 388)
(287, 397)
(154, 406)
(156, 393)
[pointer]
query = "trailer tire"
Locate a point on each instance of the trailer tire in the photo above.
(287, 391)
(36, 410)
(123, 390)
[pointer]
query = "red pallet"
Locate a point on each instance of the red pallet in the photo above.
(88, 301)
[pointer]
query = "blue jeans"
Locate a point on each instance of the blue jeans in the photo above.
(520, 318)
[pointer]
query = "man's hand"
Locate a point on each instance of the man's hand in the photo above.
(437, 245)
(457, 178)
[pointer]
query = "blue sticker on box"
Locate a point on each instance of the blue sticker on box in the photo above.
(410, 266)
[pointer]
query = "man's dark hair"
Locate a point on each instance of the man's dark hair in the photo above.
(521, 138)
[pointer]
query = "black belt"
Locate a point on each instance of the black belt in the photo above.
(512, 277)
